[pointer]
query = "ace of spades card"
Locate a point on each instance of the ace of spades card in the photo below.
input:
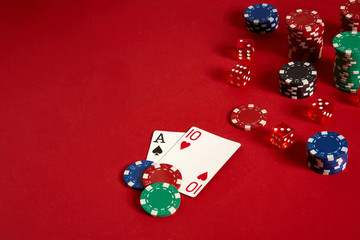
(199, 155)
(161, 142)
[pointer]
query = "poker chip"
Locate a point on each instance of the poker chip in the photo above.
(305, 35)
(249, 117)
(327, 153)
(297, 80)
(261, 18)
(133, 175)
(350, 16)
(160, 199)
(162, 173)
(346, 68)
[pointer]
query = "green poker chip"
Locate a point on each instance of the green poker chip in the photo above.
(160, 199)
(347, 42)
(346, 69)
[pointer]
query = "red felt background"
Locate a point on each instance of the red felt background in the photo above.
(85, 83)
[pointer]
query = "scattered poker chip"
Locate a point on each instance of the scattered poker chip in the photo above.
(297, 80)
(350, 15)
(305, 35)
(261, 18)
(133, 175)
(327, 153)
(162, 173)
(249, 117)
(346, 68)
(160, 199)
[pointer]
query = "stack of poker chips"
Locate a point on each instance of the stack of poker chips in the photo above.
(261, 18)
(159, 184)
(350, 16)
(327, 153)
(305, 35)
(347, 61)
(297, 80)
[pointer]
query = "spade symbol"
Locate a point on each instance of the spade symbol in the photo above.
(157, 150)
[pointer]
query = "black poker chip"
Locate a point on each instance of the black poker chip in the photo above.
(297, 80)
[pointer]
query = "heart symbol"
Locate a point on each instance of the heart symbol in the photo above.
(184, 144)
(202, 176)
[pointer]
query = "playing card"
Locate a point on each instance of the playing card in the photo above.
(199, 155)
(161, 142)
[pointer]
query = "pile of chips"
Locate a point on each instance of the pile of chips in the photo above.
(161, 197)
(249, 117)
(327, 153)
(305, 35)
(347, 61)
(261, 18)
(350, 16)
(297, 80)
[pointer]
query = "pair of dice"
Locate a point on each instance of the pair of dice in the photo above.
(240, 74)
(283, 136)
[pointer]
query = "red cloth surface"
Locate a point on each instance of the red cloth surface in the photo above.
(85, 83)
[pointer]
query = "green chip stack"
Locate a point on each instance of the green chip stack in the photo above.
(347, 61)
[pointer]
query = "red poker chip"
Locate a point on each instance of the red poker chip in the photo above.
(249, 117)
(162, 173)
(303, 20)
(305, 35)
(351, 10)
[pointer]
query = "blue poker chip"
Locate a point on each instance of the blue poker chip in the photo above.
(333, 163)
(261, 31)
(326, 171)
(327, 145)
(324, 166)
(133, 175)
(261, 13)
(263, 25)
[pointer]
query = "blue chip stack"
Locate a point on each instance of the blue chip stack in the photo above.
(327, 153)
(261, 18)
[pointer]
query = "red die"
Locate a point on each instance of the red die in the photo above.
(282, 136)
(320, 111)
(239, 75)
(245, 49)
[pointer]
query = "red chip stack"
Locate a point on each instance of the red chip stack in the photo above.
(350, 16)
(305, 35)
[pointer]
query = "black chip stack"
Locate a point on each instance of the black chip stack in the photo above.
(297, 80)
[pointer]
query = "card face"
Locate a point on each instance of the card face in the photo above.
(161, 142)
(199, 155)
